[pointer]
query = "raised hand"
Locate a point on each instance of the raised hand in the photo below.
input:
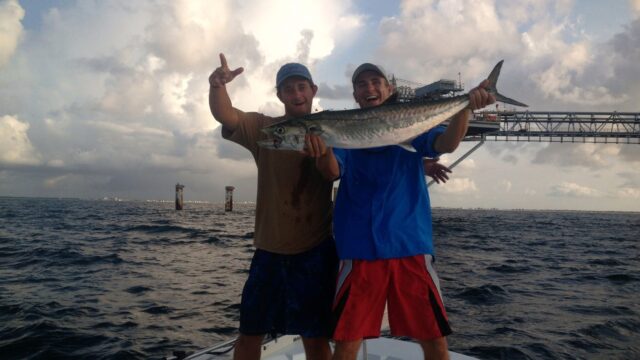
(479, 97)
(223, 74)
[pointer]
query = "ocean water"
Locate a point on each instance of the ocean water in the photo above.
(83, 279)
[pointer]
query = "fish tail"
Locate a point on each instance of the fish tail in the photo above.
(493, 90)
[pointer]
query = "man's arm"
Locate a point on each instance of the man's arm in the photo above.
(219, 101)
(449, 140)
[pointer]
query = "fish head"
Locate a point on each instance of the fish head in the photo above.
(285, 135)
(293, 142)
(284, 129)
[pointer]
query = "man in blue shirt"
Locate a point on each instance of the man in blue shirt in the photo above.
(382, 227)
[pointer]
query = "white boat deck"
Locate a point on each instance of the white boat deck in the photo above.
(372, 349)
(290, 347)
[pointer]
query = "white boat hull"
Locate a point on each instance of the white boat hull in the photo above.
(289, 347)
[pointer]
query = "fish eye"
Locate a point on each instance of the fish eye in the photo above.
(279, 130)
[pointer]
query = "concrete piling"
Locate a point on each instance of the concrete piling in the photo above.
(179, 196)
(228, 199)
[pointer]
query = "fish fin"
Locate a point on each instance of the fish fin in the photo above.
(493, 90)
(407, 146)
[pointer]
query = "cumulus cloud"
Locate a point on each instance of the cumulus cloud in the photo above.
(510, 158)
(468, 164)
(549, 61)
(506, 185)
(630, 153)
(630, 186)
(630, 178)
(569, 189)
(11, 14)
(594, 156)
(524, 11)
(329, 21)
(594, 76)
(474, 32)
(137, 99)
(628, 193)
(559, 82)
(337, 92)
(600, 77)
(16, 147)
(459, 186)
(618, 64)
(512, 152)
(635, 6)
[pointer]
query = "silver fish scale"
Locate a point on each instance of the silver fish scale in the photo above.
(386, 124)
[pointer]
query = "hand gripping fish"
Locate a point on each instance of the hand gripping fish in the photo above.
(391, 123)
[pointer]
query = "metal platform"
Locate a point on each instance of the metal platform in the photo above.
(569, 127)
(547, 126)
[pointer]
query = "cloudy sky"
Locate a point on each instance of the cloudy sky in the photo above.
(109, 98)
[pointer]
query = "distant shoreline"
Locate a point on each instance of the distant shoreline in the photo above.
(171, 201)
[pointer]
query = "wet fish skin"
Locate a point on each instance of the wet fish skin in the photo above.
(392, 123)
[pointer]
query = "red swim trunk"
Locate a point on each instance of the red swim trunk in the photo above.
(410, 288)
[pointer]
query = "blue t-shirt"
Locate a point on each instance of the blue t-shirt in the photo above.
(382, 209)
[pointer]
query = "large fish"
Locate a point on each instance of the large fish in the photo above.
(392, 123)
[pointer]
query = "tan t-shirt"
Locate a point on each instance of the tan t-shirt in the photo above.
(293, 211)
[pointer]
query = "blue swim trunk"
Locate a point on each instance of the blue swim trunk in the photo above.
(290, 294)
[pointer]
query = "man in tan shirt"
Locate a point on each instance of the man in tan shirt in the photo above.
(292, 277)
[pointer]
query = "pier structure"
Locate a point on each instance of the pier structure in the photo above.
(564, 127)
(549, 126)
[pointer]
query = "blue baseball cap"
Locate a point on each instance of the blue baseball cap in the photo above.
(292, 69)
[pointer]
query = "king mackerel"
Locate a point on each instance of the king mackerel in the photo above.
(392, 123)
